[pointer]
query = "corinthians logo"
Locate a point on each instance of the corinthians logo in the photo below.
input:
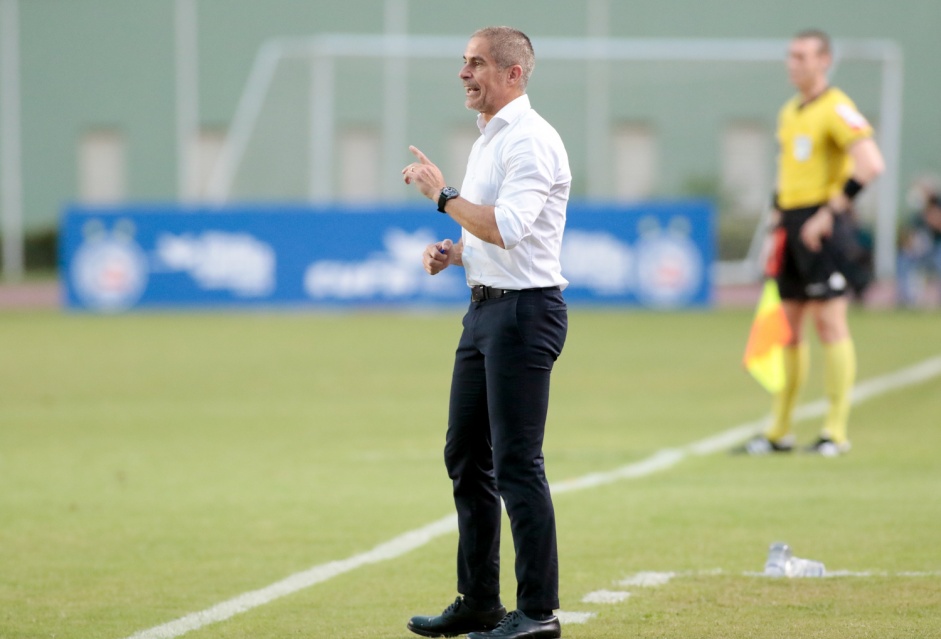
(109, 269)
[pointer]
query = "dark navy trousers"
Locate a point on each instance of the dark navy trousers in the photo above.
(496, 423)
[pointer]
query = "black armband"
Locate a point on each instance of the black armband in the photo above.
(852, 188)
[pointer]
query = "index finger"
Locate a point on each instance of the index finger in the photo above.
(418, 154)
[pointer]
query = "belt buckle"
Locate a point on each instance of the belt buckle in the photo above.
(480, 292)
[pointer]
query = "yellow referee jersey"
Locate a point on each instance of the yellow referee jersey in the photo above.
(813, 139)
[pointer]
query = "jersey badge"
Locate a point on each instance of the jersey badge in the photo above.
(803, 148)
(853, 118)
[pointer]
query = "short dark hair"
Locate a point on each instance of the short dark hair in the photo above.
(815, 34)
(510, 46)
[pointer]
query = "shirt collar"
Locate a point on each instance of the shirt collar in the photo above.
(510, 112)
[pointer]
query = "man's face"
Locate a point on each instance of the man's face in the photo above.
(485, 86)
(807, 63)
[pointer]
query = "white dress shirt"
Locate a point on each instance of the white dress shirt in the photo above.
(519, 166)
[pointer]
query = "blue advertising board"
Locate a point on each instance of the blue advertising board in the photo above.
(655, 254)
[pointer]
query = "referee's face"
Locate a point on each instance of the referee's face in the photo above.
(807, 64)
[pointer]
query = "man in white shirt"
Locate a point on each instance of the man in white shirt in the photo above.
(511, 208)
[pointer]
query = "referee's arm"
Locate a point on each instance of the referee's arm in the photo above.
(867, 165)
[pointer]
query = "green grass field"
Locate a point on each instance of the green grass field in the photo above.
(155, 465)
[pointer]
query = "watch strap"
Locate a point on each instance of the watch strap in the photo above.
(447, 193)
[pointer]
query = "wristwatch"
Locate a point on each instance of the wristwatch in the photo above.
(447, 193)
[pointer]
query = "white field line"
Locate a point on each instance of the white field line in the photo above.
(862, 574)
(657, 579)
(567, 618)
(606, 596)
(417, 538)
(648, 579)
(383, 552)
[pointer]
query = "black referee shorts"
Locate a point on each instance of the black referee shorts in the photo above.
(818, 275)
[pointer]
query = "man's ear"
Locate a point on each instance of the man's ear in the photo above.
(514, 75)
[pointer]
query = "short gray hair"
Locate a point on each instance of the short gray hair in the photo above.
(509, 46)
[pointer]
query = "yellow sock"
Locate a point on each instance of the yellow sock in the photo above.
(839, 376)
(796, 364)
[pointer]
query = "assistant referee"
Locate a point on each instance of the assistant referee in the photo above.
(827, 156)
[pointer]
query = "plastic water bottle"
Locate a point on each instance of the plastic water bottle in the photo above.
(782, 563)
(779, 556)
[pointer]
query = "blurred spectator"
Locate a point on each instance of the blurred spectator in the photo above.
(919, 257)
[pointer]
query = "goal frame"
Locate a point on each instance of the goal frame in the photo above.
(323, 52)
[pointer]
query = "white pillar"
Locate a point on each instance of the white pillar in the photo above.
(890, 138)
(395, 101)
(597, 106)
(322, 140)
(11, 157)
(187, 99)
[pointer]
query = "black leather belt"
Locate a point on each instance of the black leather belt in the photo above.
(480, 293)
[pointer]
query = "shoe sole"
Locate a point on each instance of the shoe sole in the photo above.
(555, 633)
(431, 633)
(426, 633)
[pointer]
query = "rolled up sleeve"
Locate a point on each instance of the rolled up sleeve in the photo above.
(530, 173)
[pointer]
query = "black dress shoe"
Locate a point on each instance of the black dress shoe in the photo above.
(457, 619)
(517, 625)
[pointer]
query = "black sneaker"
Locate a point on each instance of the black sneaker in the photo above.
(826, 447)
(457, 619)
(517, 625)
(761, 445)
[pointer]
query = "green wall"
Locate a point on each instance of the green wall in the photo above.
(110, 63)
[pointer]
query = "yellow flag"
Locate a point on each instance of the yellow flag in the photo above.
(770, 332)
